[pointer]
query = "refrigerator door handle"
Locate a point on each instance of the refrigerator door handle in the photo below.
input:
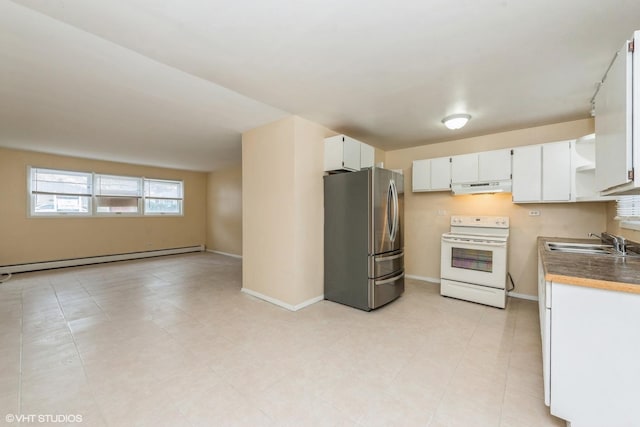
(388, 258)
(389, 210)
(394, 195)
(389, 280)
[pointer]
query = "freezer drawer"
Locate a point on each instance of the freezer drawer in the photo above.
(384, 264)
(385, 289)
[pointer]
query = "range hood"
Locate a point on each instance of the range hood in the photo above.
(482, 187)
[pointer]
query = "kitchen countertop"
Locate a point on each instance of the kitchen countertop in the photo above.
(615, 273)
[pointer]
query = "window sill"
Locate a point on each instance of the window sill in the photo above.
(631, 225)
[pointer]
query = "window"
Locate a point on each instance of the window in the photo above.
(117, 194)
(628, 212)
(55, 192)
(162, 197)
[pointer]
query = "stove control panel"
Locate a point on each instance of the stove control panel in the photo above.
(481, 221)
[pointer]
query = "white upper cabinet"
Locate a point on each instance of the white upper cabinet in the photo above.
(542, 173)
(484, 166)
(367, 156)
(464, 168)
(617, 107)
(441, 174)
(494, 165)
(342, 153)
(556, 171)
(583, 167)
(421, 175)
(431, 174)
(527, 174)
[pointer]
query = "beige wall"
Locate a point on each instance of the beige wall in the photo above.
(282, 228)
(26, 240)
(427, 214)
(224, 210)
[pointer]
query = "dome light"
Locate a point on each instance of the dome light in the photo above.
(456, 121)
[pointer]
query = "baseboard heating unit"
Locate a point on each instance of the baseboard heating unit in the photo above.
(46, 265)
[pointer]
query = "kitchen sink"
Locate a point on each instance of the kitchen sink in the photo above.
(581, 248)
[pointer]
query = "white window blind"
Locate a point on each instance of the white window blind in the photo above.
(628, 208)
(628, 212)
(49, 181)
(118, 186)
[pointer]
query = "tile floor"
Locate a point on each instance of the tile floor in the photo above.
(172, 341)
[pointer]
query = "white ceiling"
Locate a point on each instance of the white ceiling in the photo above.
(175, 82)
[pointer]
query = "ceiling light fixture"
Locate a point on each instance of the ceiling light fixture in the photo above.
(456, 121)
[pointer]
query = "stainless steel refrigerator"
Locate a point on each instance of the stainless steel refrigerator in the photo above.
(363, 238)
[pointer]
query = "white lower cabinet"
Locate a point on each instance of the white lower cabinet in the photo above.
(591, 343)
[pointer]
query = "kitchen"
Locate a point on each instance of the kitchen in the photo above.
(288, 150)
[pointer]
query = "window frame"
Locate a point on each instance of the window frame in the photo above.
(93, 197)
(32, 194)
(179, 199)
(139, 201)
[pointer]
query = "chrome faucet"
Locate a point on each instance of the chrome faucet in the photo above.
(619, 242)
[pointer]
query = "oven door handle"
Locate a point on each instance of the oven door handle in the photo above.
(474, 242)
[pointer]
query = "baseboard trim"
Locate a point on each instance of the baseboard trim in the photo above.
(283, 304)
(75, 262)
(423, 278)
(522, 296)
(224, 253)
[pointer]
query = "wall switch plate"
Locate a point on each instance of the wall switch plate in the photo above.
(534, 213)
(442, 212)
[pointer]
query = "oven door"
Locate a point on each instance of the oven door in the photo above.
(481, 261)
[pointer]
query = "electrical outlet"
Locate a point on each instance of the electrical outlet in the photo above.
(534, 213)
(442, 212)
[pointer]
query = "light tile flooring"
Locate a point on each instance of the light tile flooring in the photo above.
(172, 341)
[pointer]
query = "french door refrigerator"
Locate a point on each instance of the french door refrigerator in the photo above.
(363, 242)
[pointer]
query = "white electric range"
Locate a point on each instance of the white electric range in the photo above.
(473, 263)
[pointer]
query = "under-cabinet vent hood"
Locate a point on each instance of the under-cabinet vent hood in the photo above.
(482, 187)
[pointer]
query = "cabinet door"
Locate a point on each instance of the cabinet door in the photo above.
(494, 165)
(421, 175)
(527, 174)
(441, 174)
(464, 168)
(556, 171)
(351, 154)
(367, 156)
(614, 124)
